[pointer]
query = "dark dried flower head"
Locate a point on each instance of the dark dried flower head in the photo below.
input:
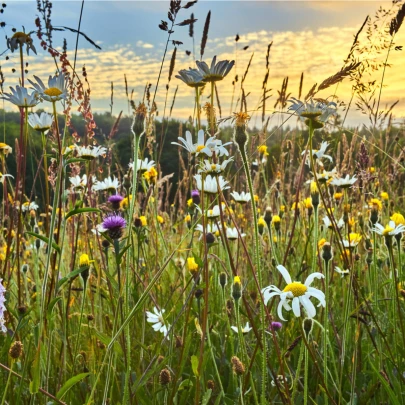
(237, 366)
(165, 377)
(16, 350)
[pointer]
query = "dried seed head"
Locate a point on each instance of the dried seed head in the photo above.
(211, 385)
(238, 366)
(165, 377)
(160, 359)
(16, 350)
(179, 342)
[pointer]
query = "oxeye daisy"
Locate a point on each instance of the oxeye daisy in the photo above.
(90, 152)
(354, 240)
(213, 168)
(192, 77)
(157, 321)
(210, 183)
(201, 146)
(108, 184)
(21, 98)
(245, 329)
(390, 229)
(318, 154)
(143, 165)
(216, 72)
(5, 149)
(78, 182)
(20, 39)
(56, 89)
(312, 110)
(41, 123)
(241, 198)
(296, 292)
(232, 234)
(344, 182)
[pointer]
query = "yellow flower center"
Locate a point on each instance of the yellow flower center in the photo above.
(213, 167)
(387, 230)
(200, 148)
(52, 92)
(296, 288)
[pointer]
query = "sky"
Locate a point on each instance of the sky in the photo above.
(309, 37)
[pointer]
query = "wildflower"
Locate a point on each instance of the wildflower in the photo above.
(150, 175)
(338, 196)
(327, 252)
(262, 149)
(5, 149)
(384, 195)
(398, 219)
(354, 240)
(342, 272)
(187, 218)
(41, 123)
(192, 77)
(21, 98)
(108, 184)
(56, 89)
(240, 135)
(195, 148)
(142, 165)
(244, 330)
(216, 72)
(195, 197)
(16, 350)
(276, 221)
(18, 39)
(213, 168)
(160, 219)
(209, 228)
(375, 204)
(114, 225)
(390, 229)
(28, 206)
(236, 288)
(165, 377)
(327, 222)
(214, 212)
(2, 307)
(317, 154)
(232, 234)
(326, 176)
(157, 320)
(316, 112)
(299, 293)
(223, 280)
(210, 184)
(115, 201)
(237, 366)
(344, 182)
(192, 266)
(78, 182)
(89, 152)
(241, 198)
(276, 326)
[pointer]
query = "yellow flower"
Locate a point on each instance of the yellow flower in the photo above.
(282, 208)
(125, 202)
(84, 260)
(256, 198)
(261, 222)
(321, 243)
(160, 219)
(387, 230)
(338, 196)
(354, 238)
(275, 219)
(187, 218)
(294, 206)
(190, 202)
(5, 149)
(150, 175)
(314, 187)
(384, 195)
(376, 204)
(308, 203)
(236, 280)
(398, 219)
(352, 222)
(371, 170)
(144, 221)
(192, 266)
(263, 150)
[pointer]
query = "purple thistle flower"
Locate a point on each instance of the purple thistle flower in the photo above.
(115, 200)
(195, 195)
(276, 326)
(114, 224)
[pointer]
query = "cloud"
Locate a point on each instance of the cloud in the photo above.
(141, 44)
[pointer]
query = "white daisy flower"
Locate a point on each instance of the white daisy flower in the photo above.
(210, 183)
(241, 198)
(157, 320)
(209, 228)
(41, 123)
(109, 184)
(232, 234)
(18, 39)
(244, 330)
(78, 182)
(191, 77)
(213, 168)
(195, 148)
(342, 272)
(317, 154)
(344, 182)
(90, 152)
(21, 98)
(327, 222)
(56, 89)
(28, 206)
(390, 230)
(324, 176)
(216, 72)
(354, 240)
(322, 111)
(296, 292)
(142, 165)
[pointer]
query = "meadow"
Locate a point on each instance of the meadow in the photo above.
(245, 258)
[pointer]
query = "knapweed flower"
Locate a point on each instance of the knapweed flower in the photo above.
(192, 77)
(343, 182)
(156, 318)
(241, 198)
(2, 307)
(114, 225)
(90, 152)
(21, 98)
(296, 292)
(216, 72)
(244, 330)
(5, 149)
(108, 184)
(317, 154)
(56, 89)
(115, 201)
(210, 184)
(20, 39)
(276, 326)
(390, 229)
(77, 182)
(41, 123)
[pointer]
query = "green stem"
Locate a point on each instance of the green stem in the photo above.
(8, 383)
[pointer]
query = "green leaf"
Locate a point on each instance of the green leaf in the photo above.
(52, 304)
(72, 274)
(35, 370)
(185, 384)
(70, 383)
(44, 239)
(194, 365)
(206, 397)
(81, 211)
(394, 400)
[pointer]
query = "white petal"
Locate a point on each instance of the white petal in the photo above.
(308, 305)
(296, 307)
(279, 310)
(312, 277)
(284, 272)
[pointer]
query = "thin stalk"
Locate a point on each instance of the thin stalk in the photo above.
(7, 384)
